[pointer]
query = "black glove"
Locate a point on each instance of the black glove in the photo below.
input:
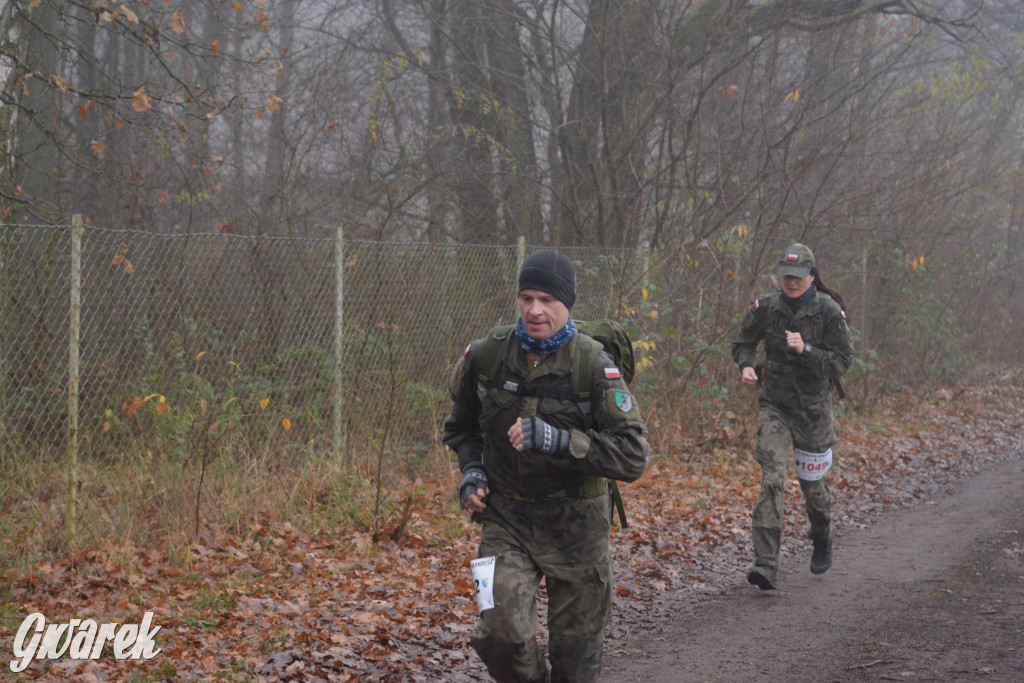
(473, 478)
(540, 436)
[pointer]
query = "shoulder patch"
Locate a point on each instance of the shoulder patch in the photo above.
(764, 301)
(612, 373)
(466, 352)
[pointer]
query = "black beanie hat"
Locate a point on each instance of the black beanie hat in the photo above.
(551, 272)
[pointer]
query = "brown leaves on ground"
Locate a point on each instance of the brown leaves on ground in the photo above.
(283, 604)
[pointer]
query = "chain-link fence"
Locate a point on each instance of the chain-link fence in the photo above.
(297, 340)
(214, 377)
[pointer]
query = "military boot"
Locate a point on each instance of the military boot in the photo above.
(821, 558)
(762, 576)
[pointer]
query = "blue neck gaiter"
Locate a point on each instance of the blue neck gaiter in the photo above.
(545, 346)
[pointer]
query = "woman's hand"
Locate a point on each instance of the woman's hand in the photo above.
(795, 342)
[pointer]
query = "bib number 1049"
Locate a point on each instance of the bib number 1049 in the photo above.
(811, 466)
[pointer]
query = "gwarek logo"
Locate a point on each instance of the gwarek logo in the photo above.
(82, 639)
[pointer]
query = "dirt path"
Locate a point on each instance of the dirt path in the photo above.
(929, 593)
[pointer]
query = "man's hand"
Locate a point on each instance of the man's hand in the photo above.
(473, 488)
(536, 434)
(749, 377)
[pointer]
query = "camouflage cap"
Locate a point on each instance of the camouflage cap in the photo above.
(796, 261)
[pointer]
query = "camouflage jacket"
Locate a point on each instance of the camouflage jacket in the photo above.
(788, 379)
(610, 442)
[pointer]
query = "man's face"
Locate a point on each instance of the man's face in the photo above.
(795, 286)
(543, 314)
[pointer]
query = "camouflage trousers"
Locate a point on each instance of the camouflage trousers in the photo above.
(566, 543)
(774, 446)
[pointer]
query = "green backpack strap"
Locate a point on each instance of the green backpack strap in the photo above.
(580, 375)
(493, 351)
(582, 384)
(581, 380)
(613, 489)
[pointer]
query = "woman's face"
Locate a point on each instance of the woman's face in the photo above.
(795, 286)
(542, 313)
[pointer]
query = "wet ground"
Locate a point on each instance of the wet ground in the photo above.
(930, 592)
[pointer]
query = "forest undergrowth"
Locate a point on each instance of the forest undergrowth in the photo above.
(323, 593)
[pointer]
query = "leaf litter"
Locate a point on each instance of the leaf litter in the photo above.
(288, 605)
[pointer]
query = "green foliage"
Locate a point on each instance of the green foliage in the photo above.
(192, 396)
(206, 600)
(425, 408)
(923, 341)
(684, 350)
(864, 374)
(346, 502)
(159, 671)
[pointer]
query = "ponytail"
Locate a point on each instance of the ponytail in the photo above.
(822, 287)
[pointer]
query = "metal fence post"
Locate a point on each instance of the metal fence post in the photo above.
(520, 257)
(6, 336)
(339, 338)
(645, 264)
(74, 330)
(865, 339)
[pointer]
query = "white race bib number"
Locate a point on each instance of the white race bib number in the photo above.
(811, 466)
(483, 581)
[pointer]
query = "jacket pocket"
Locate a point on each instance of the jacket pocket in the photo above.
(497, 410)
(561, 414)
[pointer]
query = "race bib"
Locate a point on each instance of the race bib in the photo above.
(811, 466)
(483, 581)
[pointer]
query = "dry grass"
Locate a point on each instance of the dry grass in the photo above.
(150, 499)
(147, 496)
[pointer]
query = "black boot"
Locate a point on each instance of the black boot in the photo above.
(821, 558)
(762, 576)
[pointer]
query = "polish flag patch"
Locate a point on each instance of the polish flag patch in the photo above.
(612, 373)
(466, 352)
(755, 304)
(842, 313)
(793, 257)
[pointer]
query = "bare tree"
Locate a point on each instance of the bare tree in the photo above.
(885, 129)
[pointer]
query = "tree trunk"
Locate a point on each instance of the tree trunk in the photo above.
(517, 160)
(473, 171)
